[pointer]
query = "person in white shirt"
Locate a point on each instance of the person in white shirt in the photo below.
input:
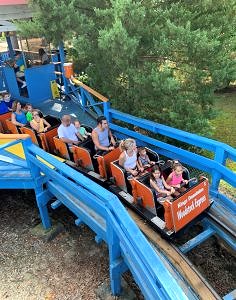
(68, 133)
(128, 157)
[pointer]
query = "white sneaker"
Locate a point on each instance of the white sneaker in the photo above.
(24, 84)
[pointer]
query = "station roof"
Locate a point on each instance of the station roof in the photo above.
(6, 26)
(13, 2)
(14, 10)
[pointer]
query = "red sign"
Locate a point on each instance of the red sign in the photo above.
(190, 205)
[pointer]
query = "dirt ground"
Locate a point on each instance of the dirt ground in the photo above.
(216, 264)
(70, 267)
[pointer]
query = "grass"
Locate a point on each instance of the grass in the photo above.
(225, 122)
(225, 131)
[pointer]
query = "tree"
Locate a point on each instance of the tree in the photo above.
(160, 60)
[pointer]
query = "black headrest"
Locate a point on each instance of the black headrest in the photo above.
(53, 121)
(89, 145)
(145, 179)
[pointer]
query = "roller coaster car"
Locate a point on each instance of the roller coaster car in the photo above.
(168, 215)
(45, 139)
(172, 214)
(3, 118)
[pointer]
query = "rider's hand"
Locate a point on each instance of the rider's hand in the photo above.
(134, 172)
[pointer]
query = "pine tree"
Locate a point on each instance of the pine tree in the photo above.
(160, 60)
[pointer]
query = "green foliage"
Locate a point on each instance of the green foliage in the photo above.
(224, 122)
(160, 60)
(55, 20)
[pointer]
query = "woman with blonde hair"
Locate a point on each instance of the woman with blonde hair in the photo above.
(39, 124)
(128, 157)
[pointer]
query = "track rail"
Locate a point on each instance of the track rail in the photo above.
(225, 224)
(197, 282)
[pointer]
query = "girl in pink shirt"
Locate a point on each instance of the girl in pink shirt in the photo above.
(175, 179)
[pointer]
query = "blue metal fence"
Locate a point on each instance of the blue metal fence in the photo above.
(216, 166)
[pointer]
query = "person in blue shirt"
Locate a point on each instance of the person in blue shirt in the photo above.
(8, 101)
(19, 59)
(3, 106)
(18, 116)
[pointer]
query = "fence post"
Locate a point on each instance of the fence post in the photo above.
(106, 108)
(42, 195)
(62, 59)
(220, 157)
(10, 48)
(83, 98)
(116, 261)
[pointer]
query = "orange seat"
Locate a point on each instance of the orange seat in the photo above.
(104, 162)
(12, 128)
(82, 157)
(47, 139)
(83, 154)
(1, 128)
(143, 191)
(3, 119)
(118, 173)
(31, 133)
(61, 148)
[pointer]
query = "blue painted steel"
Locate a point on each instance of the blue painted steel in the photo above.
(3, 57)
(56, 204)
(200, 238)
(14, 171)
(2, 81)
(230, 240)
(87, 102)
(83, 98)
(230, 296)
(203, 163)
(10, 48)
(38, 83)
(62, 59)
(106, 107)
(98, 239)
(10, 81)
(78, 222)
